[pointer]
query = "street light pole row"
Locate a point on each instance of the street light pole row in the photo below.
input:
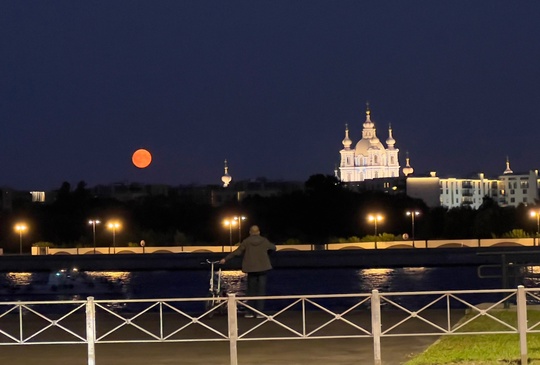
(412, 214)
(376, 217)
(20, 227)
(93, 222)
(114, 225)
(230, 223)
(111, 225)
(536, 213)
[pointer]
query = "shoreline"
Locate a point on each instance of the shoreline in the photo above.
(359, 258)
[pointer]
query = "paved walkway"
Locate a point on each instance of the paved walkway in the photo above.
(395, 351)
(359, 351)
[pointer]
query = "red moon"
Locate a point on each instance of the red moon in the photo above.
(141, 158)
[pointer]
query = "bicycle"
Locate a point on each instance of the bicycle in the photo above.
(216, 292)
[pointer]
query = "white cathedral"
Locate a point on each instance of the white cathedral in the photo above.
(369, 159)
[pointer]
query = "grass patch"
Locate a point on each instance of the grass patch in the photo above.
(483, 349)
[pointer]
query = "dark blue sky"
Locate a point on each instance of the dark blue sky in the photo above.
(268, 85)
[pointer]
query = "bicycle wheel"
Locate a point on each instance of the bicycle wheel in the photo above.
(209, 304)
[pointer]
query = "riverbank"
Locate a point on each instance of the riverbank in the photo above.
(389, 258)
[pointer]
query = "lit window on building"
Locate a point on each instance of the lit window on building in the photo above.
(38, 196)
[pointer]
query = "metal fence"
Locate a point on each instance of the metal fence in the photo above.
(375, 315)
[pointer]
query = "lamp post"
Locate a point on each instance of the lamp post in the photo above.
(536, 213)
(93, 222)
(114, 226)
(412, 214)
(20, 227)
(239, 219)
(375, 218)
(229, 223)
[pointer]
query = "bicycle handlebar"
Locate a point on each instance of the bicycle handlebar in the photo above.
(210, 262)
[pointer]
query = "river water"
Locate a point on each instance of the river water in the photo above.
(68, 285)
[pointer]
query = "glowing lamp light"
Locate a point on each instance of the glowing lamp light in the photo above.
(375, 218)
(20, 227)
(141, 158)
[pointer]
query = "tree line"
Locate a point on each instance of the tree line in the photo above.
(324, 211)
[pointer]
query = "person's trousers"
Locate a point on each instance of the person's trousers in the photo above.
(256, 286)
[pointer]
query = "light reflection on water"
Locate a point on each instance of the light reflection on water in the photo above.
(19, 278)
(63, 285)
(234, 281)
(195, 283)
(374, 278)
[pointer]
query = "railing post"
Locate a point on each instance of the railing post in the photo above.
(522, 323)
(233, 328)
(376, 326)
(91, 330)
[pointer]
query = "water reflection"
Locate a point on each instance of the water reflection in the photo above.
(74, 284)
(234, 281)
(19, 278)
(371, 279)
(63, 284)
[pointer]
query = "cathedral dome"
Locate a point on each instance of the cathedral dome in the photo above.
(390, 141)
(362, 147)
(368, 124)
(407, 170)
(347, 141)
(375, 144)
(226, 178)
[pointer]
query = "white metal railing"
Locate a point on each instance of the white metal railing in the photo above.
(374, 315)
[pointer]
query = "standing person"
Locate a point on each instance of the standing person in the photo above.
(255, 263)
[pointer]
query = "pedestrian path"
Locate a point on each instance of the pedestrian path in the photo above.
(290, 352)
(342, 351)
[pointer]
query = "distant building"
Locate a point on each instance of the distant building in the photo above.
(38, 196)
(242, 189)
(370, 166)
(515, 189)
(369, 159)
(124, 191)
(426, 188)
(509, 189)
(389, 185)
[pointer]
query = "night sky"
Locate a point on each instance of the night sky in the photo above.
(268, 85)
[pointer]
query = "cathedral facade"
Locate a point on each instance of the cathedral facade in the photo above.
(369, 158)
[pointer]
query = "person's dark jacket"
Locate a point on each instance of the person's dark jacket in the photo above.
(255, 250)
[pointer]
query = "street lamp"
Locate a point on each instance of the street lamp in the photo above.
(20, 227)
(536, 213)
(114, 226)
(93, 222)
(229, 223)
(239, 219)
(375, 218)
(412, 214)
